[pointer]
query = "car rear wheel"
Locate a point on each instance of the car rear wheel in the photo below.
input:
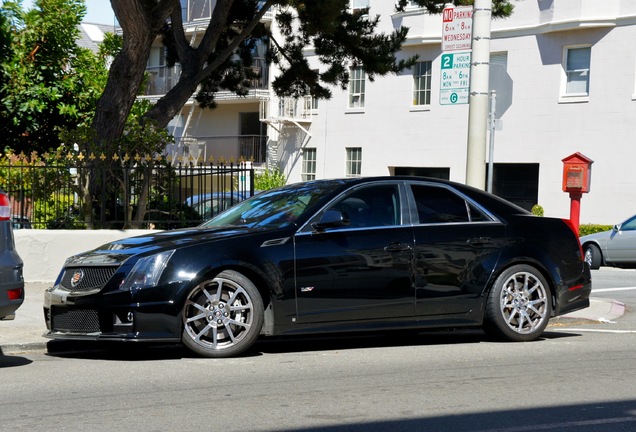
(519, 305)
(223, 316)
(593, 256)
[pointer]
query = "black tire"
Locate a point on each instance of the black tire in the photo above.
(593, 256)
(222, 317)
(519, 305)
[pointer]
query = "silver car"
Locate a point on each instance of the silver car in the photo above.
(613, 248)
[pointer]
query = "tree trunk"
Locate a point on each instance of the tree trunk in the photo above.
(140, 25)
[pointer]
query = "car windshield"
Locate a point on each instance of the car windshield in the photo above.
(276, 208)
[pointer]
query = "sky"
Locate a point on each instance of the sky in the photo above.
(97, 11)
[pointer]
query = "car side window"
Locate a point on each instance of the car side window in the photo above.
(371, 207)
(441, 205)
(630, 225)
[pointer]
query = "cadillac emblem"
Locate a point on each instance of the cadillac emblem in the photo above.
(77, 277)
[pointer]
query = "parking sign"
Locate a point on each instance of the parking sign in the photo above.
(457, 28)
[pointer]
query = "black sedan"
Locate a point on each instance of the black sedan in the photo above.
(328, 256)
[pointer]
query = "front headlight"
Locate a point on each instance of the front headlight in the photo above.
(147, 271)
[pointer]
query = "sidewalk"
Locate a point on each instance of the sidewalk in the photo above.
(25, 332)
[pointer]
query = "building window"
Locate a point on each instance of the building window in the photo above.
(422, 83)
(360, 6)
(357, 77)
(577, 71)
(354, 162)
(314, 100)
(309, 164)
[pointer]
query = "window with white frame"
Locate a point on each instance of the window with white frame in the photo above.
(422, 83)
(577, 71)
(357, 77)
(354, 162)
(309, 164)
(358, 6)
(197, 9)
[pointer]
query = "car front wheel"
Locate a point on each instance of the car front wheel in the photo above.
(593, 256)
(223, 316)
(519, 305)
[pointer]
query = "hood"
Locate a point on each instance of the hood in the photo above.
(117, 252)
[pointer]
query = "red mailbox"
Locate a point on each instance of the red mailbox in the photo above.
(577, 172)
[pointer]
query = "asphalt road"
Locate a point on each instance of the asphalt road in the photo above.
(578, 377)
(615, 283)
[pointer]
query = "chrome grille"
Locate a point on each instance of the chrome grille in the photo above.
(75, 320)
(92, 277)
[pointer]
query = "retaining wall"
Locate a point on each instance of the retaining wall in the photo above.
(44, 251)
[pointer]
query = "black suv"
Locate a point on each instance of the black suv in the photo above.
(11, 280)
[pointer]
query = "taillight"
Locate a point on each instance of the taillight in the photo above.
(15, 294)
(575, 231)
(5, 207)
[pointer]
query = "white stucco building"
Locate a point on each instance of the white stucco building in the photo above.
(564, 71)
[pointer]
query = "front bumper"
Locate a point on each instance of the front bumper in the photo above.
(116, 316)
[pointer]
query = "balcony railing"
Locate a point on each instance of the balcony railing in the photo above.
(287, 108)
(201, 10)
(220, 148)
(163, 78)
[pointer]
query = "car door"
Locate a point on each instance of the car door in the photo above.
(621, 246)
(457, 246)
(359, 271)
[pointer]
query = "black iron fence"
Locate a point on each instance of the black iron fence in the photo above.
(77, 192)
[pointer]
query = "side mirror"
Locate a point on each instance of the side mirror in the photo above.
(616, 228)
(331, 219)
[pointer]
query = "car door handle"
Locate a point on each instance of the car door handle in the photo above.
(398, 247)
(480, 240)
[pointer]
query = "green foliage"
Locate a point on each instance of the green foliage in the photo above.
(270, 179)
(40, 186)
(48, 82)
(537, 210)
(57, 208)
(593, 228)
(340, 39)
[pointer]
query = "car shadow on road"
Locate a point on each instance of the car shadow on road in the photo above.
(126, 351)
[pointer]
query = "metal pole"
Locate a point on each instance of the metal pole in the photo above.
(478, 99)
(491, 151)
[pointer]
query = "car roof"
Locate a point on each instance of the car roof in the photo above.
(491, 202)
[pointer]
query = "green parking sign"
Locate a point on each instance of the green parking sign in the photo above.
(455, 78)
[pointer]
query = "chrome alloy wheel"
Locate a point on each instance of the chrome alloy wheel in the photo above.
(524, 303)
(588, 256)
(218, 315)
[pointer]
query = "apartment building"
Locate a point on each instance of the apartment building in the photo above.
(563, 72)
